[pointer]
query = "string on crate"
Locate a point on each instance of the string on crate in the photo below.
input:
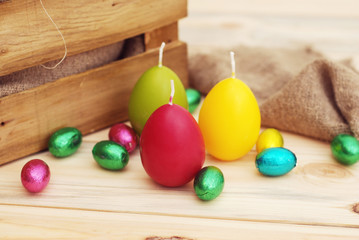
(62, 36)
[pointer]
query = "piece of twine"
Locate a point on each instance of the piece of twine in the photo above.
(62, 36)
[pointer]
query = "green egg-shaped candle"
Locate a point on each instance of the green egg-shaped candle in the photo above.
(110, 155)
(345, 149)
(151, 91)
(65, 142)
(193, 98)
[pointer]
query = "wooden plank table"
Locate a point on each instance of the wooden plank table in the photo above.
(319, 199)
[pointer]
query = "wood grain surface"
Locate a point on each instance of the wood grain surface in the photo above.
(167, 34)
(85, 24)
(318, 200)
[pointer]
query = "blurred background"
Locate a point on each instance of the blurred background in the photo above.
(328, 26)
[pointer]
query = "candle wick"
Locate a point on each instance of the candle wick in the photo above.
(172, 92)
(161, 54)
(233, 65)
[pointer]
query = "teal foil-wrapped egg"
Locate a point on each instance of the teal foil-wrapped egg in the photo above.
(208, 183)
(345, 149)
(275, 161)
(193, 98)
(110, 155)
(65, 142)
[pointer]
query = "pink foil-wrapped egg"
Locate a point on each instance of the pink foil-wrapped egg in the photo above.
(123, 135)
(35, 175)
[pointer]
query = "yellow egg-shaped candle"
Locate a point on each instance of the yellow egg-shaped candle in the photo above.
(269, 138)
(230, 119)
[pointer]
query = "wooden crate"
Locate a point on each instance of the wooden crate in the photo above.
(90, 100)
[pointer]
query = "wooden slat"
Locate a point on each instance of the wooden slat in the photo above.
(166, 34)
(28, 37)
(52, 223)
(89, 101)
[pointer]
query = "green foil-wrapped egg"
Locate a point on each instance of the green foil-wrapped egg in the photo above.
(110, 155)
(193, 98)
(208, 183)
(345, 149)
(65, 142)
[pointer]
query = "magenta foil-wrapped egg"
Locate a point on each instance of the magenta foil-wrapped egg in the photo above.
(35, 175)
(124, 135)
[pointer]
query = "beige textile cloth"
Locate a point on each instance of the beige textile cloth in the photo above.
(298, 90)
(38, 75)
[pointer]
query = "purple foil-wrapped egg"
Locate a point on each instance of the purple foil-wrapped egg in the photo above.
(123, 135)
(35, 175)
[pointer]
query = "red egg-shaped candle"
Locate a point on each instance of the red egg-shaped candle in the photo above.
(171, 146)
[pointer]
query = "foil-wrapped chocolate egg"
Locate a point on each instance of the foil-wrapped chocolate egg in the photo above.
(35, 175)
(110, 155)
(193, 98)
(65, 142)
(124, 135)
(345, 149)
(275, 161)
(208, 183)
(269, 138)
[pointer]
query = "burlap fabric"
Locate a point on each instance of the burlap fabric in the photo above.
(297, 90)
(38, 75)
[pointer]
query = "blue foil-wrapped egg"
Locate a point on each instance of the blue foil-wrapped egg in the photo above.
(275, 161)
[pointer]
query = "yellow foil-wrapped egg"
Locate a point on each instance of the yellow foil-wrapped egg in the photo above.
(269, 138)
